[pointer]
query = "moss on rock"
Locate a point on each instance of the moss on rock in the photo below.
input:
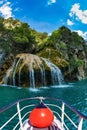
(54, 56)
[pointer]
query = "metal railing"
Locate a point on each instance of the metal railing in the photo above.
(60, 115)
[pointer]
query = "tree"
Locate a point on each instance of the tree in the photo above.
(22, 38)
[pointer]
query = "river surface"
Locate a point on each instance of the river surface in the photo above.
(73, 93)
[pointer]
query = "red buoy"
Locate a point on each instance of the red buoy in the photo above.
(41, 116)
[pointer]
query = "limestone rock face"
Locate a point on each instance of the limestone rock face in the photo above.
(30, 70)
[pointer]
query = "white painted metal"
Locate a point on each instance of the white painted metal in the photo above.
(19, 115)
(70, 120)
(59, 116)
(62, 118)
(80, 124)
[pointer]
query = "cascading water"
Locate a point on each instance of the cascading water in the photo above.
(42, 71)
(32, 78)
(43, 76)
(8, 73)
(34, 71)
(56, 75)
(14, 73)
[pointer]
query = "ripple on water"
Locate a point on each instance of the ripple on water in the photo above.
(34, 89)
(62, 86)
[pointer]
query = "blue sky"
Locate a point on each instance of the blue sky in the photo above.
(48, 15)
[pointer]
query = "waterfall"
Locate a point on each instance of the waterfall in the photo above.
(56, 75)
(34, 71)
(32, 78)
(14, 73)
(42, 71)
(36, 62)
(8, 73)
(43, 76)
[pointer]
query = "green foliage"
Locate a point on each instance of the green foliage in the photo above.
(40, 37)
(54, 56)
(70, 44)
(20, 40)
(20, 35)
(76, 37)
(16, 37)
(75, 62)
(66, 33)
(54, 38)
(62, 46)
(6, 47)
(79, 62)
(62, 34)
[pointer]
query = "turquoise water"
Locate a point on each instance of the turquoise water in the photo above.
(73, 93)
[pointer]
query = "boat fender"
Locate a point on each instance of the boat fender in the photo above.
(41, 116)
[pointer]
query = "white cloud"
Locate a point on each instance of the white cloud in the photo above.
(78, 13)
(82, 34)
(51, 2)
(69, 22)
(6, 10)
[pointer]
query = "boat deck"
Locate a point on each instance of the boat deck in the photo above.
(62, 120)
